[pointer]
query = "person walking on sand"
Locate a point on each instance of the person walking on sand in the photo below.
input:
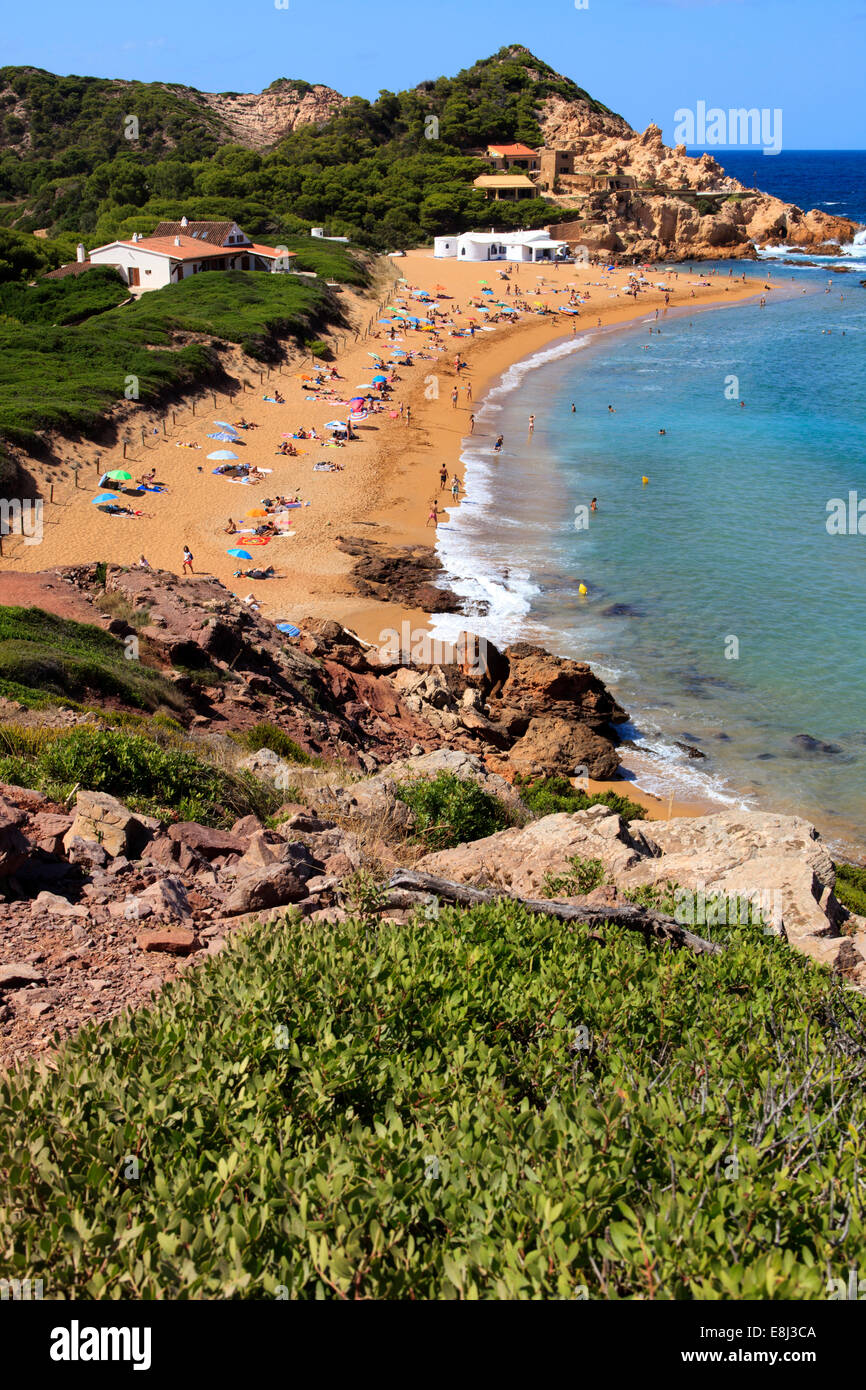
(443, 478)
(471, 424)
(531, 424)
(454, 397)
(455, 487)
(434, 514)
(469, 390)
(187, 560)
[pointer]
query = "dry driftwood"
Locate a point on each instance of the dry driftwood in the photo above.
(641, 919)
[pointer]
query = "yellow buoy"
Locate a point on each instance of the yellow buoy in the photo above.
(644, 480)
(582, 589)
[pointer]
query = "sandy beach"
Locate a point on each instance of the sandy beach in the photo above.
(387, 477)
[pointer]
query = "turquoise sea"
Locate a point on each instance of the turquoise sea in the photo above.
(720, 608)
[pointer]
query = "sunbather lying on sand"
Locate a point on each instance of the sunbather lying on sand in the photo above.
(255, 574)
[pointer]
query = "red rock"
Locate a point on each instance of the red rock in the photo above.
(177, 941)
(206, 839)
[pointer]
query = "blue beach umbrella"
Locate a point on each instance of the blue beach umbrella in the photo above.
(222, 454)
(240, 554)
(225, 436)
(226, 425)
(104, 497)
(379, 377)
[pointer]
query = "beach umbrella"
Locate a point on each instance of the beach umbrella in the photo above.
(376, 355)
(226, 425)
(336, 425)
(240, 554)
(222, 454)
(119, 476)
(356, 400)
(486, 291)
(380, 376)
(398, 352)
(224, 436)
(386, 322)
(289, 629)
(103, 497)
(357, 416)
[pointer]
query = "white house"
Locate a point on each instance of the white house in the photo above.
(176, 250)
(531, 246)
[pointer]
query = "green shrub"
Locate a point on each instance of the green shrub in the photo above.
(583, 876)
(170, 782)
(485, 1106)
(267, 735)
(545, 796)
(851, 888)
(450, 811)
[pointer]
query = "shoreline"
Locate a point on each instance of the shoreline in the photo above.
(388, 477)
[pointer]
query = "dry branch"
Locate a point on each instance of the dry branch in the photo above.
(629, 915)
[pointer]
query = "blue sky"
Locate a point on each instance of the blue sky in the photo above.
(643, 58)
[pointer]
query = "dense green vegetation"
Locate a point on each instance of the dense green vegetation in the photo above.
(383, 173)
(67, 376)
(168, 780)
(851, 888)
(45, 659)
(66, 301)
(546, 795)
(484, 1105)
(449, 811)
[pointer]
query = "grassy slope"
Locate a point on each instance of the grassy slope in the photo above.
(45, 659)
(68, 376)
(483, 1105)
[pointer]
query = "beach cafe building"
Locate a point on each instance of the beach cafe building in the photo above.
(177, 250)
(531, 246)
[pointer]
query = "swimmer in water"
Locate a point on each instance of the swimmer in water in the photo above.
(593, 506)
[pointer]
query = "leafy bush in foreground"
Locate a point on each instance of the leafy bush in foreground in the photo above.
(449, 810)
(487, 1105)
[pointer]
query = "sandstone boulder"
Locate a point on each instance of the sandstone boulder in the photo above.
(105, 820)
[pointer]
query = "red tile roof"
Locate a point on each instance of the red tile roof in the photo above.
(512, 150)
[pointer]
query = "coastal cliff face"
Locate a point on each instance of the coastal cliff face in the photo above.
(258, 120)
(91, 883)
(671, 206)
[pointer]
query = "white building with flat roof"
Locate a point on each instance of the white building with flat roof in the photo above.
(533, 246)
